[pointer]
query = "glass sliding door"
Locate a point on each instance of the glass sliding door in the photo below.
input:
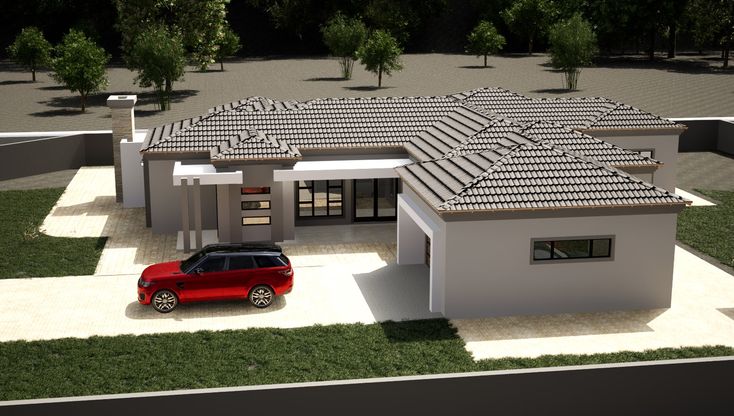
(375, 199)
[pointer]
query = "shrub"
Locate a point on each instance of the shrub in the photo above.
(573, 45)
(343, 37)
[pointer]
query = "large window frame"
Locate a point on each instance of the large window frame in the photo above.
(375, 201)
(331, 202)
(591, 256)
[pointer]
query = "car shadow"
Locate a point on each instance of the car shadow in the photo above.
(198, 310)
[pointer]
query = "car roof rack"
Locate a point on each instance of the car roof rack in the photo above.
(241, 247)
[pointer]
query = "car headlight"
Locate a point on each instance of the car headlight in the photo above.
(143, 283)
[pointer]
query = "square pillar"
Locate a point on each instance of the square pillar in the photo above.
(185, 227)
(197, 212)
(123, 128)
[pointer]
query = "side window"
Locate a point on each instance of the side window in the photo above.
(268, 261)
(212, 264)
(241, 262)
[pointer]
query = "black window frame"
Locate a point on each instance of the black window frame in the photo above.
(590, 257)
(330, 184)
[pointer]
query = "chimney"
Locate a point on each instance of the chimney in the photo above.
(123, 128)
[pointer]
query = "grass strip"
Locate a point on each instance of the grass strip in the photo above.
(121, 364)
(710, 229)
(27, 252)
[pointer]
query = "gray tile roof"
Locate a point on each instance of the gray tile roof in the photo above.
(576, 113)
(527, 177)
(254, 145)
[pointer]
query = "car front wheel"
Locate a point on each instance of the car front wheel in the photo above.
(261, 296)
(164, 301)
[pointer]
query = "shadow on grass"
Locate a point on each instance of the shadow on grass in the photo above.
(190, 311)
(366, 88)
(15, 82)
(697, 66)
(58, 112)
(418, 331)
(71, 104)
(326, 79)
(52, 88)
(554, 91)
(476, 67)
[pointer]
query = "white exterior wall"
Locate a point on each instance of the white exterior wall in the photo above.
(133, 188)
(489, 270)
(666, 151)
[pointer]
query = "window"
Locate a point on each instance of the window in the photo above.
(241, 262)
(212, 264)
(249, 205)
(257, 190)
(320, 198)
(569, 249)
(645, 152)
(269, 261)
(256, 220)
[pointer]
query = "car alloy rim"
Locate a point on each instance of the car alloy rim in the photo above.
(261, 297)
(164, 301)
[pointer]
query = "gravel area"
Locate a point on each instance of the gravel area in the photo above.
(705, 170)
(672, 90)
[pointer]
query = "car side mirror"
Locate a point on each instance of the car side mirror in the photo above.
(198, 270)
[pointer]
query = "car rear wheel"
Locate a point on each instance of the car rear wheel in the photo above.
(261, 296)
(164, 301)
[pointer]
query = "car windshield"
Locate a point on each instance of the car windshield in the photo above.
(186, 264)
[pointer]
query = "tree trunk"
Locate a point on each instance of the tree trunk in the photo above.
(221, 65)
(84, 102)
(671, 39)
(33, 71)
(485, 61)
(651, 46)
(530, 46)
(379, 76)
(169, 88)
(727, 47)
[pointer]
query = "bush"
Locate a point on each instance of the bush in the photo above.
(381, 54)
(344, 37)
(80, 65)
(228, 45)
(573, 45)
(485, 40)
(31, 49)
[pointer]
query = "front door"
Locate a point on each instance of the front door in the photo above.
(375, 199)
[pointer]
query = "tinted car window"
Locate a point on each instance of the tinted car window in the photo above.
(212, 264)
(241, 262)
(269, 261)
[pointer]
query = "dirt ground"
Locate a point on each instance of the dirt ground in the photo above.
(679, 89)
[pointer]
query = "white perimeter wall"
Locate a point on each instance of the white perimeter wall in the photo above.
(666, 151)
(489, 270)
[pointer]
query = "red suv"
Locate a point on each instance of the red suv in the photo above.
(258, 272)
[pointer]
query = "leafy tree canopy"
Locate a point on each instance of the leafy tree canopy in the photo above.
(381, 54)
(485, 40)
(160, 60)
(227, 46)
(344, 36)
(573, 45)
(31, 49)
(530, 18)
(80, 65)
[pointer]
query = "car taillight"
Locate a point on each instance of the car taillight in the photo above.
(286, 273)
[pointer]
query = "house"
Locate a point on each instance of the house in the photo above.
(517, 205)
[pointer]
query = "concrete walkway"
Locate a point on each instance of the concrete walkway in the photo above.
(702, 313)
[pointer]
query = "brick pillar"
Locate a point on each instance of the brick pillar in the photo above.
(123, 128)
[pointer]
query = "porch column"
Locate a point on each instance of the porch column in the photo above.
(411, 239)
(185, 227)
(197, 212)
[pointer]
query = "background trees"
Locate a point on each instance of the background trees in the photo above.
(80, 65)
(343, 37)
(530, 18)
(485, 40)
(227, 46)
(573, 45)
(31, 49)
(158, 56)
(381, 54)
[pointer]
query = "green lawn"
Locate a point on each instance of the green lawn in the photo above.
(28, 253)
(100, 365)
(710, 230)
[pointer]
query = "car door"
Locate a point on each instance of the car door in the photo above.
(206, 281)
(241, 269)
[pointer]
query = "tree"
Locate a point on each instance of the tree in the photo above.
(343, 37)
(573, 45)
(713, 20)
(228, 45)
(201, 24)
(80, 65)
(530, 18)
(159, 58)
(30, 49)
(485, 40)
(380, 54)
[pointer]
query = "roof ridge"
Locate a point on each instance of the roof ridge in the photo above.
(187, 128)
